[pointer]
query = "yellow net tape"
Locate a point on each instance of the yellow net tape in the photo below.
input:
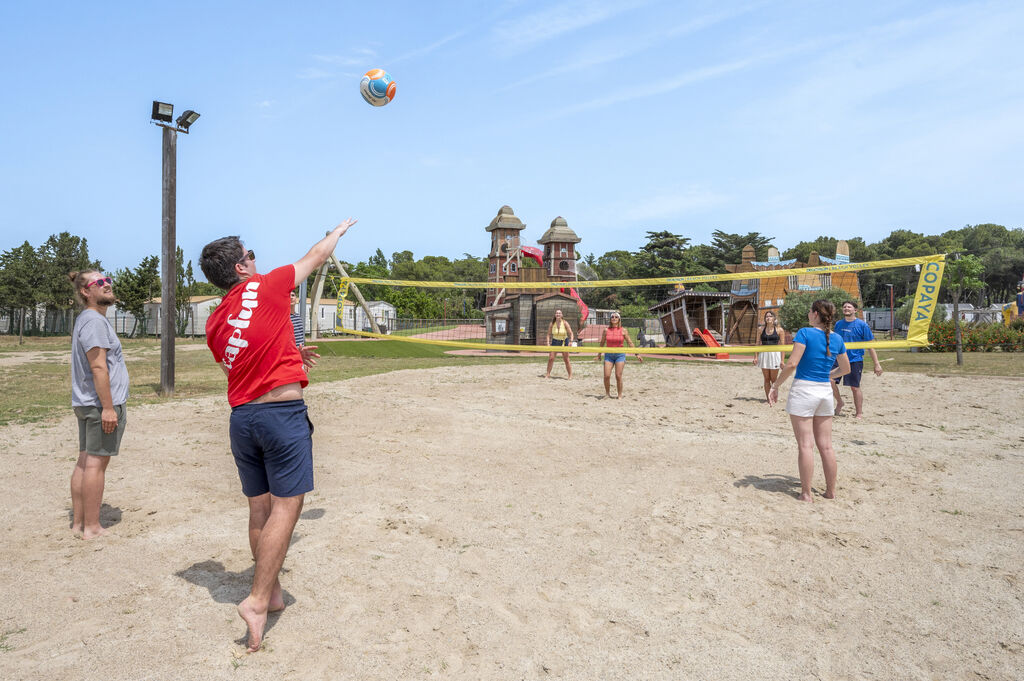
(928, 284)
(657, 281)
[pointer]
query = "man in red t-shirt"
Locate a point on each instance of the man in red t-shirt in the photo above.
(250, 334)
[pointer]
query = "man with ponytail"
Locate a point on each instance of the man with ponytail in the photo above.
(810, 405)
(99, 390)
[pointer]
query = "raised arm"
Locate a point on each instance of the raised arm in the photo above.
(317, 255)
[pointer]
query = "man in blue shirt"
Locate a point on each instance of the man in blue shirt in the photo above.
(854, 330)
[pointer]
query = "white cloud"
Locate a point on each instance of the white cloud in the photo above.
(525, 32)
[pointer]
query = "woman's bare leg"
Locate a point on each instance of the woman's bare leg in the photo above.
(551, 363)
(823, 439)
(619, 366)
(803, 429)
(607, 379)
(568, 366)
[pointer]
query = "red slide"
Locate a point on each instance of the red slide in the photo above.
(538, 256)
(709, 340)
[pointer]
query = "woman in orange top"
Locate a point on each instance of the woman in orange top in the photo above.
(614, 337)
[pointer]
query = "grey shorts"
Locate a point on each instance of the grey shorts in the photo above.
(92, 439)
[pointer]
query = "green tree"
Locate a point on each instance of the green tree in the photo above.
(184, 287)
(793, 313)
(727, 249)
(136, 287)
(963, 274)
(22, 282)
(59, 255)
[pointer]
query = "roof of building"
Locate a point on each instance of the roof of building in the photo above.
(559, 231)
(505, 219)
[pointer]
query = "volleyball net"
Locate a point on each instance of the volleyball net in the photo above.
(516, 314)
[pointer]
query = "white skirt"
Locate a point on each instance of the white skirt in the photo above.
(810, 398)
(769, 360)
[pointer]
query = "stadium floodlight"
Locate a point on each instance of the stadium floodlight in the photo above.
(187, 119)
(163, 112)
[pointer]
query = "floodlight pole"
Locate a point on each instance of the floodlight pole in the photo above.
(168, 266)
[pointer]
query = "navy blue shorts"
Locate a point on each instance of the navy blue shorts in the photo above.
(852, 379)
(273, 447)
(558, 343)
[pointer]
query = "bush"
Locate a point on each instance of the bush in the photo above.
(793, 313)
(975, 337)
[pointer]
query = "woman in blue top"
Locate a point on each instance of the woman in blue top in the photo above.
(810, 404)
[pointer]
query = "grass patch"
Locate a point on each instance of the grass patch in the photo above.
(424, 329)
(38, 390)
(944, 363)
(4, 645)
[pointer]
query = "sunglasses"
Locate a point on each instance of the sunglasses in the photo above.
(102, 281)
(249, 255)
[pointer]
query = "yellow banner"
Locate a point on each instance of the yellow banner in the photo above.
(657, 281)
(924, 301)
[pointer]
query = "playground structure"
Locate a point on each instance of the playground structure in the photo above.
(522, 317)
(691, 317)
(751, 298)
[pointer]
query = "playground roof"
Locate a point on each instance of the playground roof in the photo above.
(690, 294)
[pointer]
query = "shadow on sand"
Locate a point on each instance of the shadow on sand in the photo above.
(228, 587)
(778, 484)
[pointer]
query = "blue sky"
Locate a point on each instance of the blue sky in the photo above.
(794, 119)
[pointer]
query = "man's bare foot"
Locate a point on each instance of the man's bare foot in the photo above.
(276, 600)
(608, 395)
(805, 497)
(839, 406)
(619, 396)
(547, 376)
(255, 620)
(858, 416)
(93, 533)
(829, 495)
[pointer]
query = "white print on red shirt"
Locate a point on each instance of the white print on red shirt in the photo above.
(236, 342)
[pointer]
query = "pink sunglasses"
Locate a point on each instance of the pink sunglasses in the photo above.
(102, 281)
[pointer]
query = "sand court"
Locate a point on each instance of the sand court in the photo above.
(483, 523)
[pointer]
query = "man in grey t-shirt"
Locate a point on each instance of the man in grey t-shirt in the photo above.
(99, 390)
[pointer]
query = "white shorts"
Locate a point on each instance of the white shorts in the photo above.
(809, 398)
(769, 360)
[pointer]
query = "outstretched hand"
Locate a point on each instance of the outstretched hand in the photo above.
(344, 225)
(309, 356)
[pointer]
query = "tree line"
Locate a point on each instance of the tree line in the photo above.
(36, 296)
(994, 255)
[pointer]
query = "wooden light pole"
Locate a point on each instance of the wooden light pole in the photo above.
(162, 116)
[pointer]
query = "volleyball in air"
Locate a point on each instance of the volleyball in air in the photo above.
(377, 87)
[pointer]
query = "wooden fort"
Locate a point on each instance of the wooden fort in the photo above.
(751, 298)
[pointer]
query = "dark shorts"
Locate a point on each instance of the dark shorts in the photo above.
(92, 439)
(852, 379)
(556, 342)
(273, 447)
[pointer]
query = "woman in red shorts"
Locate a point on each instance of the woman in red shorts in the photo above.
(614, 337)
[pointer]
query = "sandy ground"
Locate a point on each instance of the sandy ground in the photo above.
(483, 523)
